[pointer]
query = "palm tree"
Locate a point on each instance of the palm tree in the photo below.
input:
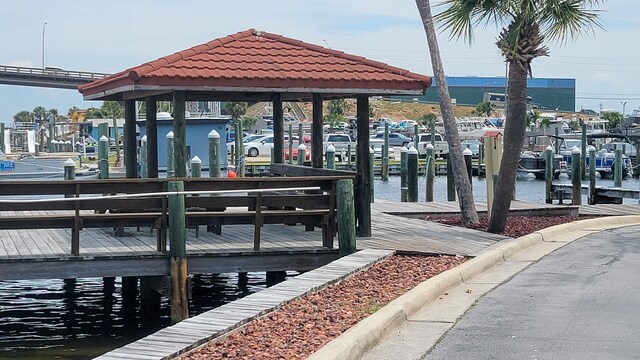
(484, 108)
(463, 184)
(527, 24)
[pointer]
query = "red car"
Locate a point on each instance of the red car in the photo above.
(295, 154)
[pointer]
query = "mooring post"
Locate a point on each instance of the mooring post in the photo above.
(178, 253)
(300, 134)
(290, 144)
(103, 130)
(403, 174)
(431, 172)
(331, 156)
(371, 174)
(468, 154)
(412, 174)
(592, 175)
(385, 153)
(170, 158)
(49, 138)
(196, 167)
(480, 156)
(214, 153)
(69, 169)
(302, 149)
(548, 175)
(144, 171)
(53, 145)
(557, 143)
(346, 216)
(451, 185)
(617, 169)
(348, 157)
(576, 178)
(103, 155)
(583, 150)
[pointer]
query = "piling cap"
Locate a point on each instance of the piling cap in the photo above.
(331, 148)
(144, 138)
(403, 149)
(549, 148)
(104, 138)
(54, 141)
(429, 146)
(170, 135)
(371, 151)
(213, 134)
(302, 147)
(196, 160)
(68, 142)
(70, 162)
(466, 152)
(412, 150)
(575, 150)
(591, 148)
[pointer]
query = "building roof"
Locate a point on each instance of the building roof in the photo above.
(253, 61)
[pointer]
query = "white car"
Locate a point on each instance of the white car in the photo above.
(263, 146)
(245, 140)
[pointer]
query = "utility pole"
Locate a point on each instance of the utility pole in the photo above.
(44, 27)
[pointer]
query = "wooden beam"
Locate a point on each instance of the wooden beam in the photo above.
(316, 133)
(130, 146)
(363, 184)
(179, 135)
(151, 106)
(278, 130)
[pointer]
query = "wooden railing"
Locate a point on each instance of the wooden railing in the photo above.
(82, 204)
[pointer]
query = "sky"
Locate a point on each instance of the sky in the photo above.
(110, 36)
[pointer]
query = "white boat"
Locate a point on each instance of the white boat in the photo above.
(474, 128)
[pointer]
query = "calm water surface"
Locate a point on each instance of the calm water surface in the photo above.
(54, 319)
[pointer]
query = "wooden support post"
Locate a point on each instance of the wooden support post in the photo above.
(433, 133)
(592, 175)
(576, 178)
(278, 129)
(348, 157)
(152, 137)
(144, 170)
(300, 134)
(617, 169)
(196, 167)
(557, 143)
(431, 172)
(346, 217)
(416, 140)
(371, 174)
(548, 174)
(467, 161)
(49, 138)
(331, 156)
(403, 174)
(103, 155)
(179, 135)
(257, 222)
(385, 153)
(451, 185)
(69, 169)
(480, 156)
(412, 175)
(302, 153)
(363, 185)
(583, 150)
(178, 253)
(170, 155)
(290, 144)
(214, 153)
(130, 146)
(317, 133)
(239, 149)
(103, 130)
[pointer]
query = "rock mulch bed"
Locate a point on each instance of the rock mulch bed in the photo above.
(304, 325)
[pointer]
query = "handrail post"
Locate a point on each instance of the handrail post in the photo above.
(178, 253)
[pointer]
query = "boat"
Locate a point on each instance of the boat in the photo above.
(605, 155)
(474, 128)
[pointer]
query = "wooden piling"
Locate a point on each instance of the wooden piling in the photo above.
(170, 157)
(103, 130)
(239, 147)
(290, 144)
(576, 178)
(144, 170)
(300, 134)
(103, 155)
(415, 136)
(302, 149)
(346, 216)
(178, 253)
(331, 156)
(592, 175)
(348, 157)
(431, 172)
(371, 174)
(152, 136)
(403, 174)
(214, 153)
(196, 167)
(583, 150)
(548, 174)
(617, 169)
(69, 170)
(412, 175)
(49, 138)
(467, 161)
(385, 153)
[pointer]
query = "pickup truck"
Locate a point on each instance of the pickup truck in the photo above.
(441, 147)
(341, 142)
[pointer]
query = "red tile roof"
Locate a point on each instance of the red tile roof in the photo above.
(259, 61)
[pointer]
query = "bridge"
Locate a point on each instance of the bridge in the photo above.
(48, 77)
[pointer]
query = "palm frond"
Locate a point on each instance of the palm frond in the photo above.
(568, 19)
(460, 16)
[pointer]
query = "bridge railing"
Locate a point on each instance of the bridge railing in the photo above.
(51, 72)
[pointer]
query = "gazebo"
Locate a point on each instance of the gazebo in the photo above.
(255, 66)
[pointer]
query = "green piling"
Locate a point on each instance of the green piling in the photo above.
(331, 156)
(431, 172)
(214, 153)
(385, 153)
(412, 175)
(548, 174)
(371, 174)
(178, 253)
(467, 161)
(302, 149)
(403, 174)
(170, 158)
(69, 169)
(415, 136)
(144, 171)
(290, 144)
(617, 169)
(103, 155)
(196, 167)
(592, 175)
(576, 178)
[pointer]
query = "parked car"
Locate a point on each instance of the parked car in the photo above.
(395, 139)
(294, 153)
(245, 140)
(377, 144)
(262, 146)
(441, 147)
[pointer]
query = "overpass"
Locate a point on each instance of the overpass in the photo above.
(48, 77)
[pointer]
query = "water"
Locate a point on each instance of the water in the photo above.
(57, 319)
(54, 319)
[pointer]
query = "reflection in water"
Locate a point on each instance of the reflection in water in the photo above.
(83, 318)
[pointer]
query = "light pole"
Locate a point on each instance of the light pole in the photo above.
(624, 103)
(44, 27)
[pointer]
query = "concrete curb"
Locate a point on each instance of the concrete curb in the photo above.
(353, 343)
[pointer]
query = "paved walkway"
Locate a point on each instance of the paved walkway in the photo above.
(580, 302)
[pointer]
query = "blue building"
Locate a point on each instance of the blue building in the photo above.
(546, 93)
(198, 130)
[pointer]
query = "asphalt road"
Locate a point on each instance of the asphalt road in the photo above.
(580, 302)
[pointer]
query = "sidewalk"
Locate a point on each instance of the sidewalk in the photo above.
(410, 326)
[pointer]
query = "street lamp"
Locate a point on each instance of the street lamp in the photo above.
(624, 103)
(44, 27)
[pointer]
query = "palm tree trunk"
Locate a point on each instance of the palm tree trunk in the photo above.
(514, 129)
(463, 185)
